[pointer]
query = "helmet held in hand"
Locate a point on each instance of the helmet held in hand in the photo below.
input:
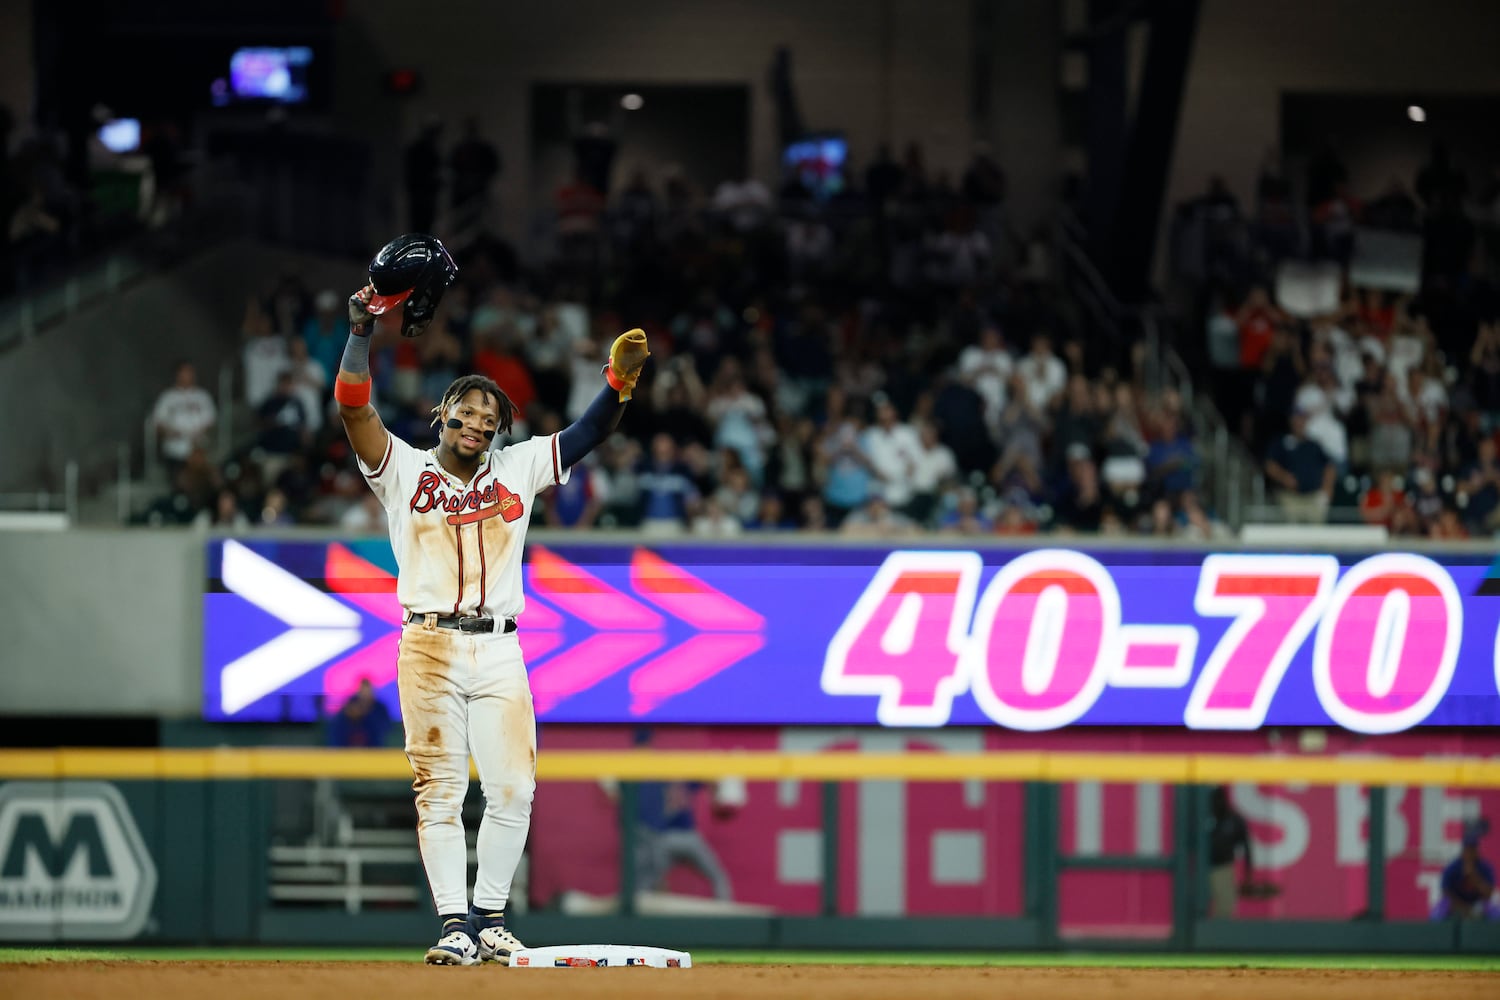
(412, 271)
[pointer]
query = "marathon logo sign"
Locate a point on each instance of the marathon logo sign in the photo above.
(72, 863)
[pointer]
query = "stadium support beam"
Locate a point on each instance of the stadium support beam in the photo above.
(1152, 137)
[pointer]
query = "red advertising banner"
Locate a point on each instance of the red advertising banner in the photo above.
(955, 849)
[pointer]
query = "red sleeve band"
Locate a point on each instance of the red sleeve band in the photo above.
(615, 382)
(351, 393)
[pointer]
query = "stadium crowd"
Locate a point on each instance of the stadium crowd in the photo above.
(885, 357)
(1384, 406)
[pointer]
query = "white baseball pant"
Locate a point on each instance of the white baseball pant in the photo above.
(464, 693)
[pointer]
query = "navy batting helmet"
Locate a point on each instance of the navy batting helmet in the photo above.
(413, 271)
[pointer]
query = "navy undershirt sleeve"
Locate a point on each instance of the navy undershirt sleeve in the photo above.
(591, 428)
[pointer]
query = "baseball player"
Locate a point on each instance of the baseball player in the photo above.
(457, 515)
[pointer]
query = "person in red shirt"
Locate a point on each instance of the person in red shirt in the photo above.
(494, 359)
(1257, 319)
(1379, 504)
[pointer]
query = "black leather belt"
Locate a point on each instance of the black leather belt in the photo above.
(464, 623)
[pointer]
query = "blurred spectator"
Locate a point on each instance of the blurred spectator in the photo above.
(667, 493)
(284, 426)
(1041, 373)
(1390, 432)
(1303, 471)
(1481, 483)
(988, 367)
(893, 449)
(1081, 505)
(933, 467)
(1380, 502)
(771, 515)
(226, 513)
(1468, 883)
(1424, 505)
(1193, 522)
(1228, 837)
(667, 832)
(422, 169)
(494, 357)
(307, 382)
(264, 354)
(965, 517)
(365, 516)
(327, 331)
(842, 464)
(1172, 460)
(183, 417)
(876, 519)
(713, 521)
(474, 163)
(1448, 526)
(740, 419)
(275, 510)
(362, 721)
(1325, 402)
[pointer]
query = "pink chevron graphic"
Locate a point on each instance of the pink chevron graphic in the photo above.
(687, 666)
(590, 662)
(535, 645)
(583, 595)
(537, 615)
(680, 593)
(361, 583)
(375, 660)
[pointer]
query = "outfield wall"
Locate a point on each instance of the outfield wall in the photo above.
(1038, 793)
(206, 846)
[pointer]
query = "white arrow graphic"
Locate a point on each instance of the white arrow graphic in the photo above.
(321, 628)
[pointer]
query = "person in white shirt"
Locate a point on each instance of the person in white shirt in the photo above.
(1042, 372)
(934, 466)
(988, 366)
(893, 449)
(308, 383)
(184, 415)
(264, 353)
(1324, 402)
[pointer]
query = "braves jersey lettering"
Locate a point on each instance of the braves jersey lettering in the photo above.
(458, 545)
(494, 499)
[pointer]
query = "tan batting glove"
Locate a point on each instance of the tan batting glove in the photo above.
(627, 356)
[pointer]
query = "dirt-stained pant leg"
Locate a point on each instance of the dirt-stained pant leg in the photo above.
(502, 735)
(434, 712)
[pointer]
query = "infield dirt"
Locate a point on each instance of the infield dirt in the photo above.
(220, 980)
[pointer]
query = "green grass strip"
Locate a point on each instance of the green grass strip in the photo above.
(1457, 963)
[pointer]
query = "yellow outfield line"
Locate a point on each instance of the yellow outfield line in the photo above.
(709, 765)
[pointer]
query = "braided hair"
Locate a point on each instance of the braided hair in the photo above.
(463, 385)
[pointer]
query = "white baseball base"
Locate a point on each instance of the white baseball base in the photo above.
(599, 956)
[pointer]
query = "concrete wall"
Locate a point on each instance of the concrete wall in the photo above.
(893, 70)
(100, 622)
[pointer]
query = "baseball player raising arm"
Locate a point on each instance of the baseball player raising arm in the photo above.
(458, 514)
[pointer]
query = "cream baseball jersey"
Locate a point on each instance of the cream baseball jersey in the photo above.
(458, 545)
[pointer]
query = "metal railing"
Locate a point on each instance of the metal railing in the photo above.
(1230, 472)
(38, 504)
